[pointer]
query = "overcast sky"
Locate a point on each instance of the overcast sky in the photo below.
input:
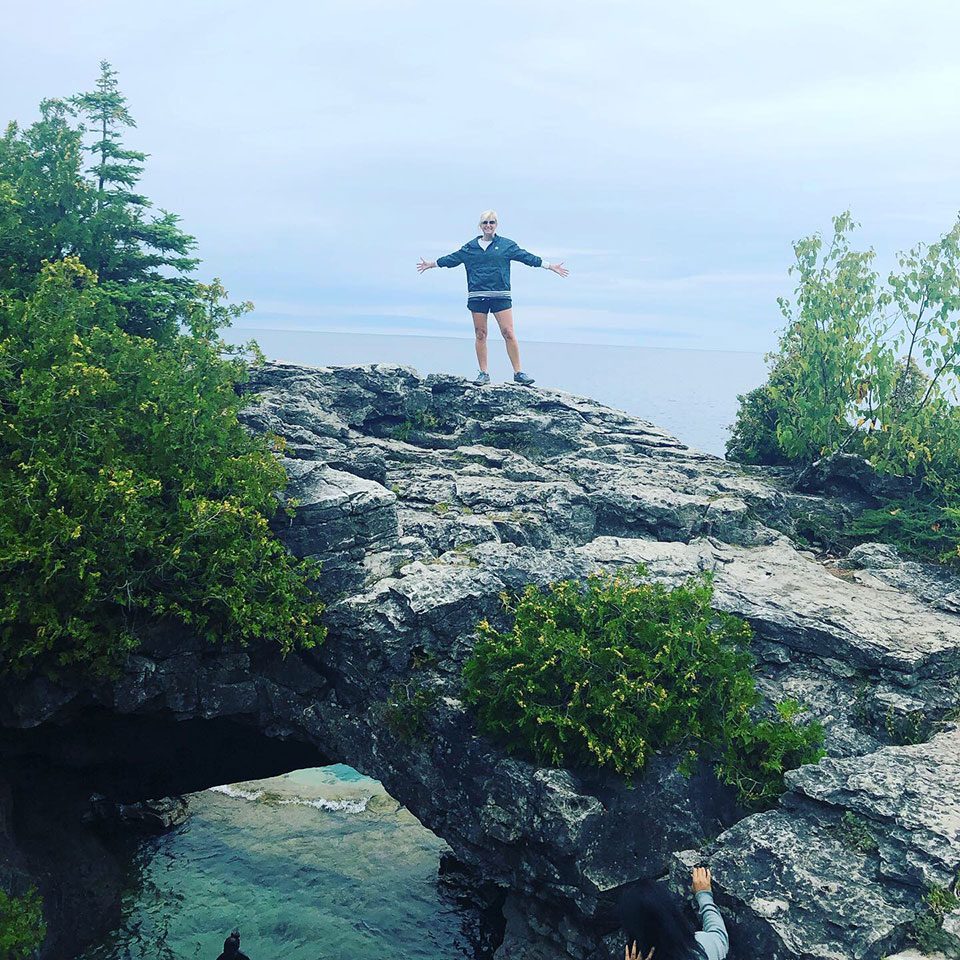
(669, 154)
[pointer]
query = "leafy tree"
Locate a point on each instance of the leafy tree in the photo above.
(822, 367)
(607, 672)
(872, 370)
(49, 209)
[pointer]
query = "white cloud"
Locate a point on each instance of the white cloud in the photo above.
(667, 152)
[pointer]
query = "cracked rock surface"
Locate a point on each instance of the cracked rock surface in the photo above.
(426, 498)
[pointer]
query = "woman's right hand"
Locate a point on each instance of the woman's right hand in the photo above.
(425, 265)
(701, 880)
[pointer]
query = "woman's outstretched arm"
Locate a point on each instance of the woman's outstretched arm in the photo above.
(450, 260)
(532, 260)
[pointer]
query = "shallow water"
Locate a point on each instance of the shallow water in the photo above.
(315, 864)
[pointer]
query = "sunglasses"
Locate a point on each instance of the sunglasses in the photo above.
(484, 223)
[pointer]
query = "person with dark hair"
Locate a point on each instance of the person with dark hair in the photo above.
(658, 928)
(231, 948)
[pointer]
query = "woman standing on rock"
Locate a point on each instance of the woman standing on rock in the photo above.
(487, 261)
(657, 927)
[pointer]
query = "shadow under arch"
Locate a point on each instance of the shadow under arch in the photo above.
(59, 783)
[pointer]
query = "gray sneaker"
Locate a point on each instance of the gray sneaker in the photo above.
(483, 378)
(524, 379)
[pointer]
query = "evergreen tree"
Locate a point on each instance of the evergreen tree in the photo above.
(45, 205)
(130, 489)
(127, 248)
(50, 208)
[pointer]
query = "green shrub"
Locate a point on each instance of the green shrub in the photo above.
(927, 930)
(753, 437)
(130, 487)
(405, 712)
(22, 929)
(607, 672)
(919, 529)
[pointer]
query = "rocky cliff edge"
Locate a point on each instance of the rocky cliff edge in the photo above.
(426, 498)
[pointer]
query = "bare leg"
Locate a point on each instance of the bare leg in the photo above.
(505, 319)
(480, 330)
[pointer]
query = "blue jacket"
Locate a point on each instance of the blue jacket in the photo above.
(488, 271)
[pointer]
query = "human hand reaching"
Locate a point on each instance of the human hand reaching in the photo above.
(425, 265)
(701, 880)
(559, 269)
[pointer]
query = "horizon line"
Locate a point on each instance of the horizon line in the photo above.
(433, 336)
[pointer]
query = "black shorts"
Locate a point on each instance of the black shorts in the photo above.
(488, 304)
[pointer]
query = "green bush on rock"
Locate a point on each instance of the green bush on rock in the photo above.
(22, 928)
(753, 437)
(871, 369)
(607, 672)
(130, 486)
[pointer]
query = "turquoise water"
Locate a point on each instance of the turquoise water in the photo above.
(690, 393)
(315, 864)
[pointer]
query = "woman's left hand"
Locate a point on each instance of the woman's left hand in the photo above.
(633, 953)
(559, 269)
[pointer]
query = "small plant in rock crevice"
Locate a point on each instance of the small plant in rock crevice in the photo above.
(607, 672)
(405, 711)
(416, 421)
(855, 833)
(927, 931)
(904, 729)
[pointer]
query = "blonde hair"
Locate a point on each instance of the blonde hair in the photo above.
(489, 215)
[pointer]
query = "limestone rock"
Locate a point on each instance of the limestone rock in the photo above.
(425, 499)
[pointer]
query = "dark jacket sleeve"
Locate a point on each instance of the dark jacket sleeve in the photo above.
(524, 256)
(453, 259)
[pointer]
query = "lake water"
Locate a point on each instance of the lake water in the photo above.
(690, 393)
(315, 864)
(323, 863)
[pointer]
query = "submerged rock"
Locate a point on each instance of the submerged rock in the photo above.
(426, 498)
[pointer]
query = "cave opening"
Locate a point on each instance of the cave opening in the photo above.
(305, 855)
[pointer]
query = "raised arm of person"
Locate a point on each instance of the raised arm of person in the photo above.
(712, 939)
(450, 260)
(532, 260)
